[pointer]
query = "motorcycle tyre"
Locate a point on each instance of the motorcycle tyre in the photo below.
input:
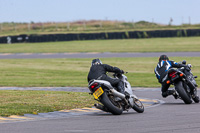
(182, 93)
(109, 105)
(195, 97)
(136, 107)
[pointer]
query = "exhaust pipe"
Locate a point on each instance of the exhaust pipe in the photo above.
(101, 107)
(118, 94)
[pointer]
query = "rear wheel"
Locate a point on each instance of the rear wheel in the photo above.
(182, 93)
(109, 103)
(138, 106)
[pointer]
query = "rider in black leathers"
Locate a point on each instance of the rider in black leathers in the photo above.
(161, 70)
(98, 71)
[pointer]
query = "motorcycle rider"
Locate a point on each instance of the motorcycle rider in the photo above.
(161, 70)
(98, 71)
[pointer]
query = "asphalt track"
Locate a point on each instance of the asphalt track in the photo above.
(169, 116)
(94, 55)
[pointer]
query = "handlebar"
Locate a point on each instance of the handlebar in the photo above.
(117, 74)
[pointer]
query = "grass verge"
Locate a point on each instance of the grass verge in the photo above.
(73, 72)
(34, 102)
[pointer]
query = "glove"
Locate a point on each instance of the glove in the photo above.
(122, 72)
(189, 65)
(187, 68)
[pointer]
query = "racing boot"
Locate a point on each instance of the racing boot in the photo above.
(122, 90)
(120, 87)
(170, 92)
(175, 95)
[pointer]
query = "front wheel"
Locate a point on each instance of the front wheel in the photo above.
(112, 107)
(138, 106)
(182, 93)
(196, 99)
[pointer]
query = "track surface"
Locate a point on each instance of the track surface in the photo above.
(93, 55)
(171, 116)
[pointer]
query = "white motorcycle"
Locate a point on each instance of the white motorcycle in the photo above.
(112, 100)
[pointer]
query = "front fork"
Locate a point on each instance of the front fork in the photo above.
(132, 99)
(192, 88)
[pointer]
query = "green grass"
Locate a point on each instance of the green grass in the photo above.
(34, 102)
(73, 72)
(66, 72)
(126, 45)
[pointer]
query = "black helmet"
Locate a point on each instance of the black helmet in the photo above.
(163, 57)
(96, 61)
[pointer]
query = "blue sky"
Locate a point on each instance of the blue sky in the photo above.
(159, 11)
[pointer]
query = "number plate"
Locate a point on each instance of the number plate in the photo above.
(98, 93)
(174, 78)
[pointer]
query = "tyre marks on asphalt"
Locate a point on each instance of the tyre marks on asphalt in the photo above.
(67, 113)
